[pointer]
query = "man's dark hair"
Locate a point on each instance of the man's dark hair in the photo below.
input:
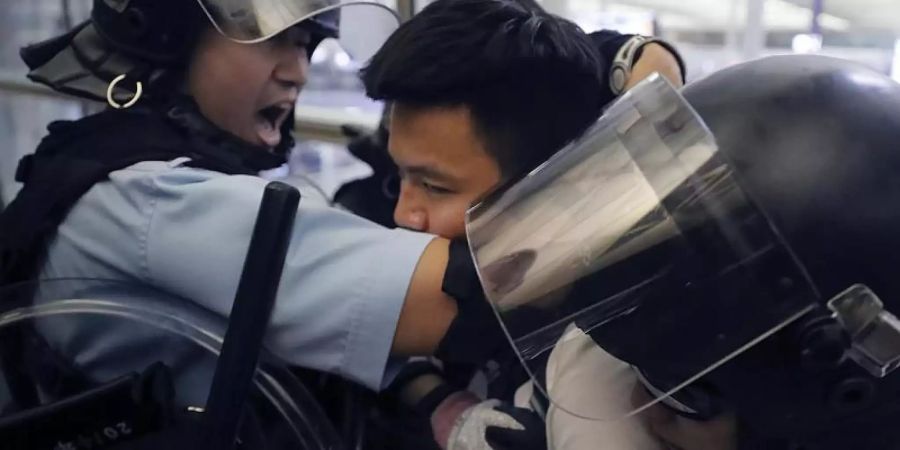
(532, 81)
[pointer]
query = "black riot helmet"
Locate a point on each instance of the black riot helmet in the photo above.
(146, 40)
(729, 249)
(163, 31)
(131, 50)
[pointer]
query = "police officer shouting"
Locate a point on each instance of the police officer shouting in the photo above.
(161, 188)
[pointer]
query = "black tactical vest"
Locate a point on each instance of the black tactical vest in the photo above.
(76, 155)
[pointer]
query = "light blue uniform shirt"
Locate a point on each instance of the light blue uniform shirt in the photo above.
(187, 230)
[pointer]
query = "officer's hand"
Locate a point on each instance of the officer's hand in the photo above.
(532, 435)
(461, 422)
(475, 336)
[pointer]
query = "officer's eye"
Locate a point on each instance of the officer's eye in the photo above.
(294, 36)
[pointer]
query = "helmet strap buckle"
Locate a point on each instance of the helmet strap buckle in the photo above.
(139, 90)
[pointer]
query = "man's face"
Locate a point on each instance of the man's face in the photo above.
(443, 165)
(248, 90)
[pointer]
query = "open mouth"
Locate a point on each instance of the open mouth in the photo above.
(269, 121)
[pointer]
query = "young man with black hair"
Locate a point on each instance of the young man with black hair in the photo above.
(481, 91)
(432, 75)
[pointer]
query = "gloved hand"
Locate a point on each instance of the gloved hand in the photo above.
(531, 436)
(463, 422)
(475, 336)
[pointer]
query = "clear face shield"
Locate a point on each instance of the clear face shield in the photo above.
(89, 352)
(361, 27)
(635, 244)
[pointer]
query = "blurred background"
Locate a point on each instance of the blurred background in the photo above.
(711, 34)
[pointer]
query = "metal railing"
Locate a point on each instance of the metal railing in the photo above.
(15, 83)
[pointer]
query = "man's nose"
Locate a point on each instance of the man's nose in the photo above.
(409, 213)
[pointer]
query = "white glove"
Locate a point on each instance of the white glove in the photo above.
(471, 427)
(487, 425)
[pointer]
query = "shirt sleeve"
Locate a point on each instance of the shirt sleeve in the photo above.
(344, 281)
(608, 43)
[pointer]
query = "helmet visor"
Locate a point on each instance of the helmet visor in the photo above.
(361, 26)
(635, 245)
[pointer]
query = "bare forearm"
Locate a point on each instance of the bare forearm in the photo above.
(427, 311)
(655, 58)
